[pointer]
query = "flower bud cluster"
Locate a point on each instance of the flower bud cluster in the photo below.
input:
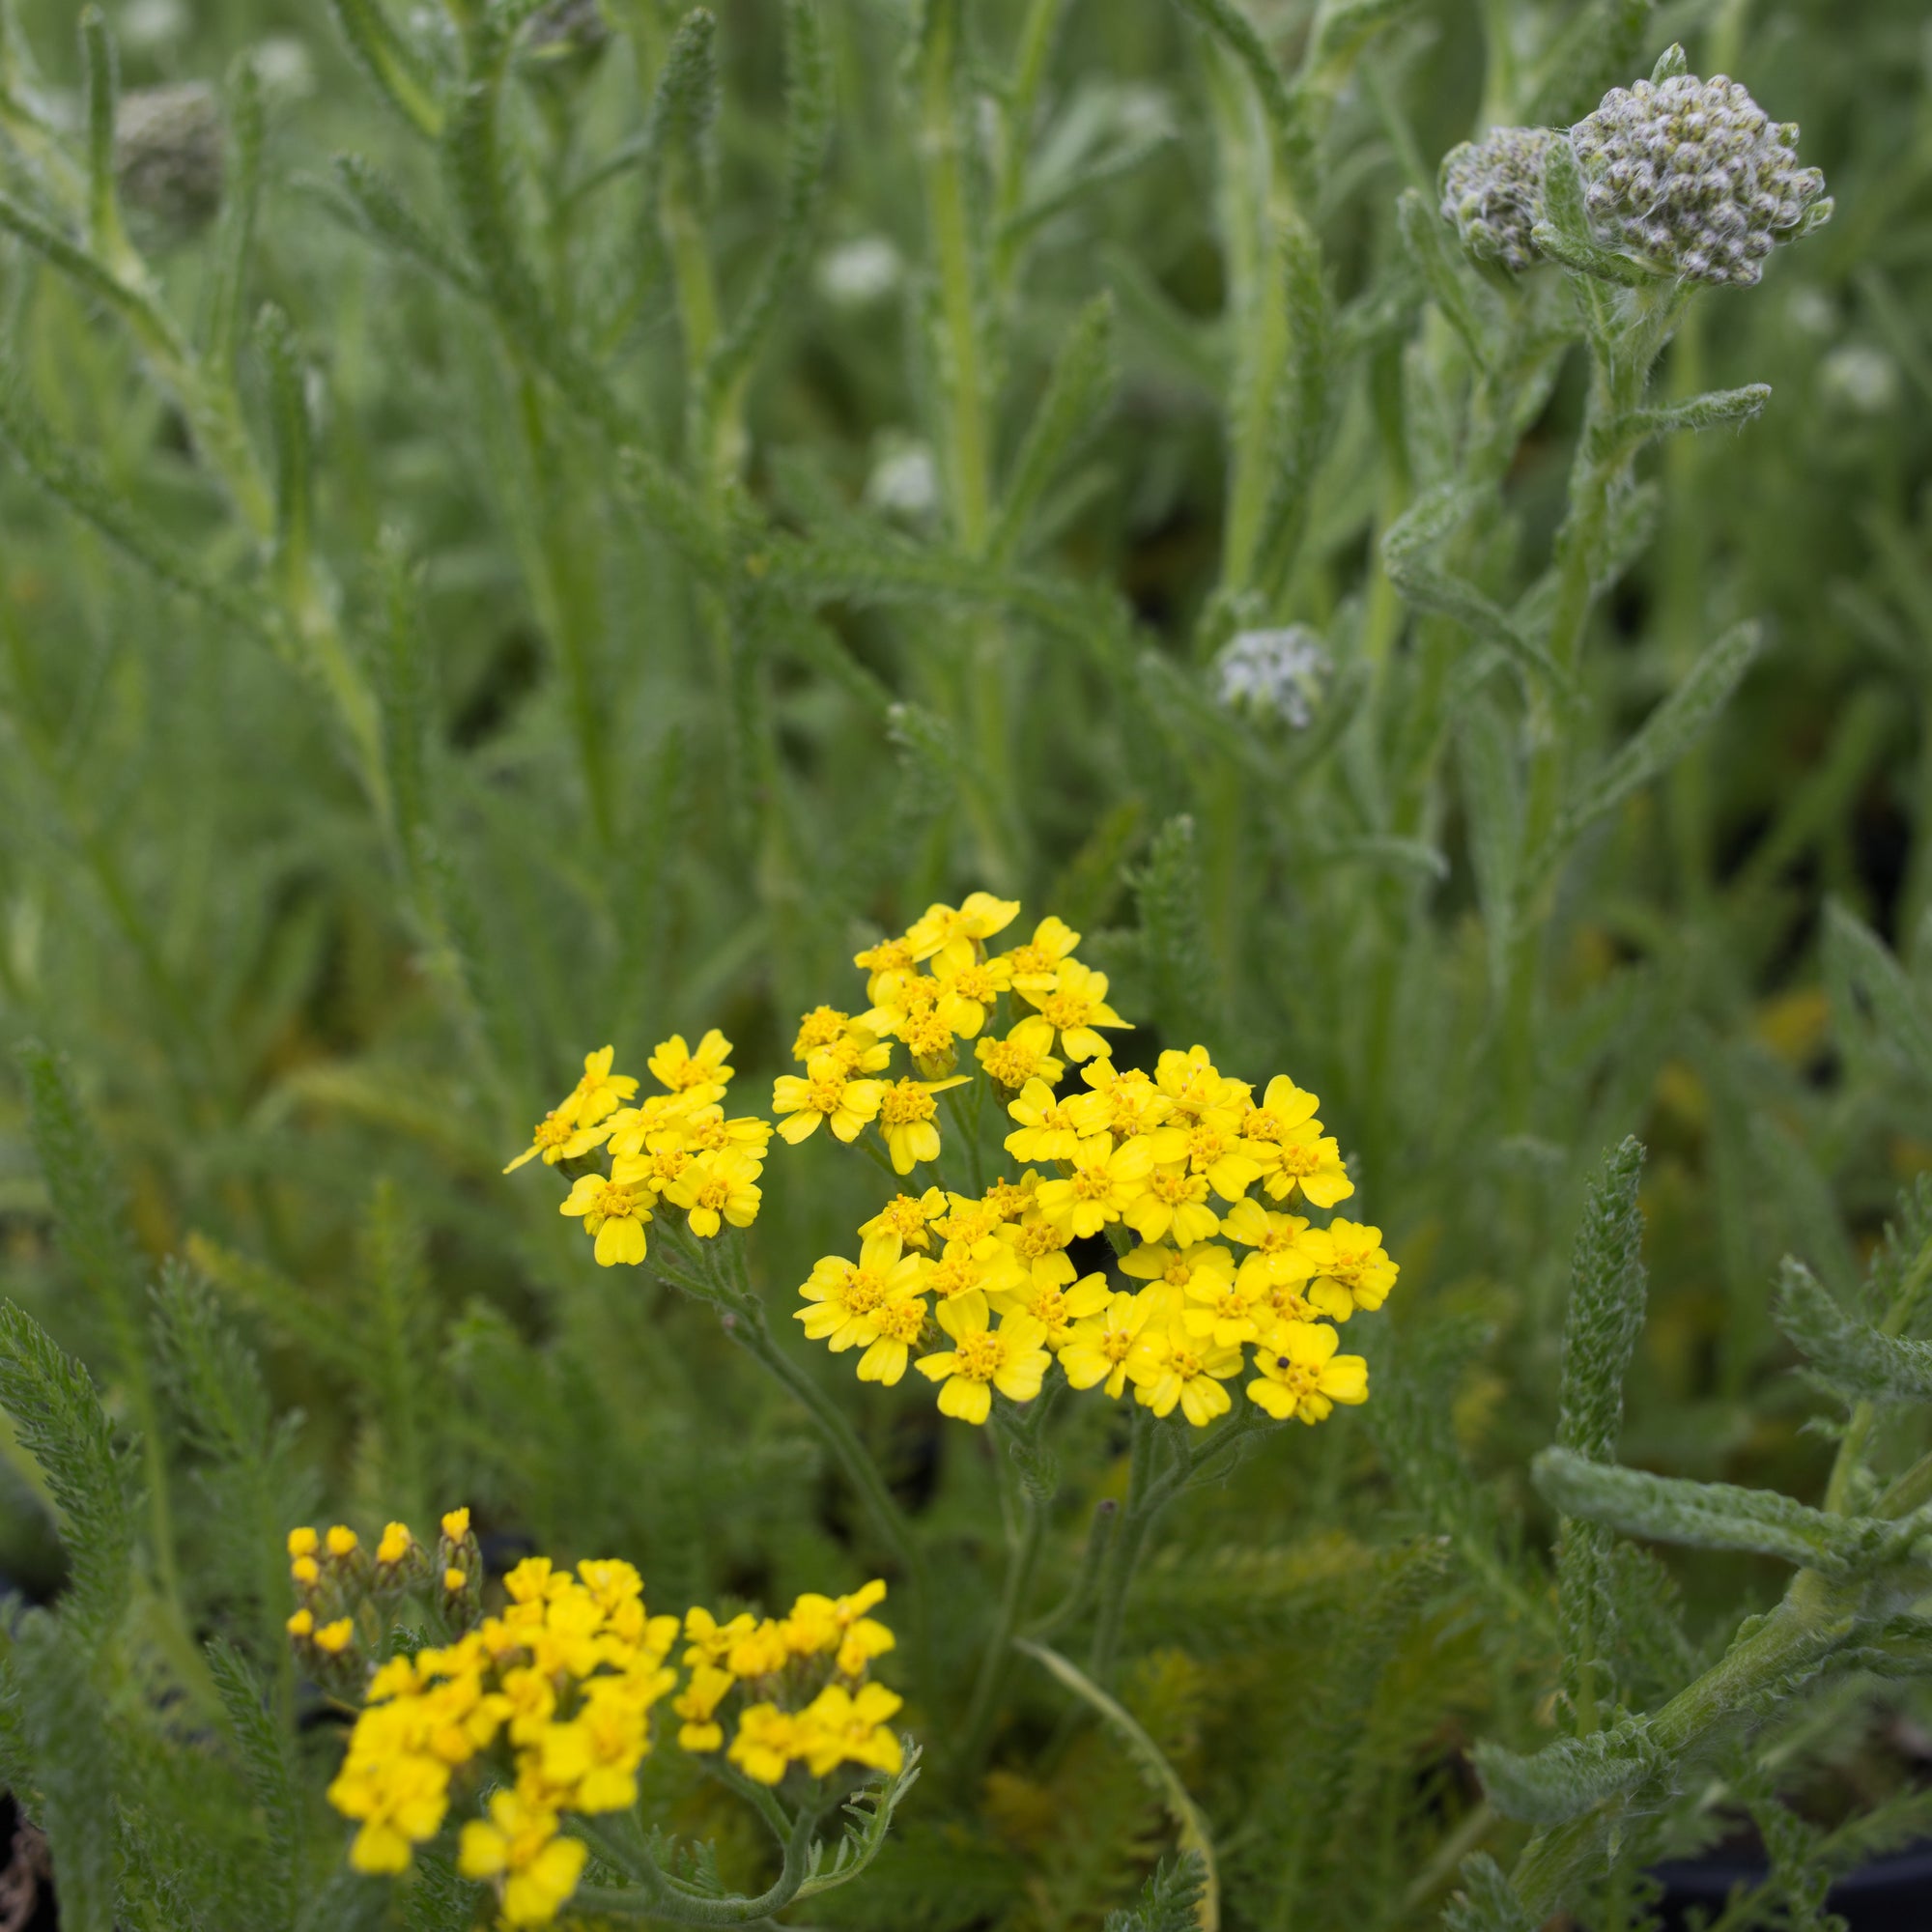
(1274, 673)
(1693, 178)
(1491, 195)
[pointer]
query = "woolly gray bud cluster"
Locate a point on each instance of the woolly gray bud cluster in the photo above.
(1692, 178)
(1274, 673)
(168, 152)
(1491, 195)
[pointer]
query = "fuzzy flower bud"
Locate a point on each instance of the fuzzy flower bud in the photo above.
(1273, 674)
(1693, 180)
(1491, 195)
(168, 152)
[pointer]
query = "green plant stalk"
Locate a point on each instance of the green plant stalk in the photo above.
(660, 1896)
(1125, 1557)
(1621, 360)
(1036, 45)
(1022, 1567)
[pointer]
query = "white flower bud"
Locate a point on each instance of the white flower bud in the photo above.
(1692, 179)
(1492, 192)
(1274, 673)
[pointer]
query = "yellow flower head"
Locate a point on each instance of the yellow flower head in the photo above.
(1031, 965)
(1046, 1130)
(1311, 1161)
(456, 1525)
(304, 1541)
(843, 1299)
(885, 966)
(517, 1848)
(1055, 1301)
(455, 1581)
(718, 1187)
(1169, 1366)
(826, 1093)
(1301, 1376)
(1097, 1348)
(614, 1213)
(305, 1570)
(1076, 1005)
(1121, 1104)
(334, 1639)
(906, 1110)
(396, 1543)
(908, 1216)
(676, 1067)
(956, 930)
(966, 990)
(840, 1726)
(600, 1091)
(709, 1641)
(1175, 1203)
(820, 1028)
(697, 1704)
(898, 1324)
(302, 1624)
(1021, 1057)
(982, 1359)
(1351, 1256)
(766, 1743)
(1104, 1182)
(342, 1541)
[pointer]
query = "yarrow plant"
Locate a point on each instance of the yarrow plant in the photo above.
(1191, 1176)
(543, 1709)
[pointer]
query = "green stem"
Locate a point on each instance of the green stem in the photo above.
(1099, 1540)
(1022, 1566)
(659, 1897)
(1125, 1557)
(1036, 46)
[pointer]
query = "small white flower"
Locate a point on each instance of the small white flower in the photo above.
(859, 273)
(904, 481)
(1860, 379)
(1274, 673)
(285, 67)
(149, 24)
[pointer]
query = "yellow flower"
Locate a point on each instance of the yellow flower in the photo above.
(304, 1541)
(1010, 1199)
(632, 1129)
(885, 965)
(1048, 1298)
(455, 1581)
(334, 1639)
(1194, 1090)
(664, 1158)
(1046, 1129)
(1211, 1148)
(1351, 1256)
(966, 990)
(1167, 1365)
(709, 1641)
(600, 1091)
(518, 1846)
(1221, 1313)
(342, 1541)
(820, 1028)
(840, 1727)
(1097, 1349)
(1105, 1182)
(1311, 1160)
(1265, 1123)
(456, 1525)
(1031, 965)
(1176, 1202)
(676, 1066)
(718, 1187)
(766, 1743)
(1122, 1104)
(302, 1624)
(1277, 1275)
(818, 1625)
(560, 1135)
(613, 1212)
(905, 1119)
(698, 1705)
(305, 1570)
(1301, 1376)
(591, 1762)
(1075, 1006)
(827, 1093)
(1172, 1273)
(982, 1359)
(969, 1271)
(899, 1322)
(909, 1217)
(843, 1299)
(958, 928)
(1021, 1057)
(969, 1220)
(396, 1543)
(400, 1802)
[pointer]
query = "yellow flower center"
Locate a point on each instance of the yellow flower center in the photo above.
(1296, 1378)
(1009, 1064)
(614, 1203)
(1030, 959)
(1206, 1145)
(927, 1034)
(1041, 1237)
(956, 1274)
(1091, 1184)
(1289, 1302)
(1185, 1363)
(551, 1131)
(1231, 1307)
(667, 1165)
(1065, 1012)
(905, 1104)
(971, 1223)
(1175, 1189)
(890, 956)
(714, 1193)
(1117, 1345)
(824, 1096)
(1259, 1125)
(1178, 1273)
(975, 983)
(863, 1292)
(900, 1320)
(1007, 1201)
(820, 1027)
(1048, 1306)
(1301, 1157)
(980, 1356)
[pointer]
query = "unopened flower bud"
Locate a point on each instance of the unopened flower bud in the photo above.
(168, 153)
(1693, 180)
(1491, 195)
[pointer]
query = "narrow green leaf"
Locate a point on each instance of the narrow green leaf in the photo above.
(1862, 1363)
(1669, 731)
(1564, 231)
(61, 1424)
(1231, 27)
(224, 300)
(290, 428)
(1896, 1008)
(1466, 306)
(402, 73)
(1169, 1902)
(1488, 1901)
(1717, 409)
(264, 1748)
(1570, 1777)
(1180, 971)
(1607, 1287)
(1491, 788)
(101, 88)
(1305, 404)
(1078, 391)
(379, 209)
(1714, 1515)
(73, 1765)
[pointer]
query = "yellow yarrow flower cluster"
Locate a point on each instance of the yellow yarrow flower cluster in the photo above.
(676, 1149)
(800, 1685)
(1183, 1168)
(556, 1694)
